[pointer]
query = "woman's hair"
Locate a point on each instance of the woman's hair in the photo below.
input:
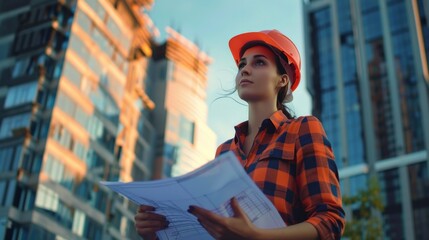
(280, 70)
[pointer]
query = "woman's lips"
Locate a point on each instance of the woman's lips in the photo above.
(245, 81)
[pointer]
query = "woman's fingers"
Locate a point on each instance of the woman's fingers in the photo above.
(152, 224)
(202, 213)
(149, 216)
(144, 208)
(147, 222)
(150, 220)
(238, 211)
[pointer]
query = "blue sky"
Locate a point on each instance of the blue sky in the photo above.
(210, 24)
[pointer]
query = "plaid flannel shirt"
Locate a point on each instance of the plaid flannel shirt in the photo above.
(291, 161)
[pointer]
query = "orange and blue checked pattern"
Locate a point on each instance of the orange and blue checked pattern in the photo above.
(291, 161)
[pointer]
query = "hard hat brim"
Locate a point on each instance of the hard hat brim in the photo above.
(237, 42)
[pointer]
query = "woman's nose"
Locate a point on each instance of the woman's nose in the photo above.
(245, 71)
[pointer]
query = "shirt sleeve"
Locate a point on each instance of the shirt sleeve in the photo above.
(218, 150)
(318, 181)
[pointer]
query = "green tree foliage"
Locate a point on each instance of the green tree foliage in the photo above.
(367, 205)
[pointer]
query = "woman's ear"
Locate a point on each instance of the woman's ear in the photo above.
(284, 80)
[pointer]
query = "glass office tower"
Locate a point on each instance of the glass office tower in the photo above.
(73, 111)
(177, 84)
(368, 75)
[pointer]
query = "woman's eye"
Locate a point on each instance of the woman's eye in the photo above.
(259, 63)
(241, 65)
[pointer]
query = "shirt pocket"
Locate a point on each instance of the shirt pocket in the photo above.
(285, 153)
(274, 166)
(274, 173)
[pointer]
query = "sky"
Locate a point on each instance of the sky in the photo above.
(210, 24)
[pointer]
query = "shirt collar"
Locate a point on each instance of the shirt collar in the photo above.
(276, 120)
(241, 131)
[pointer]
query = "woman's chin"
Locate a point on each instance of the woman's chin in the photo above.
(248, 97)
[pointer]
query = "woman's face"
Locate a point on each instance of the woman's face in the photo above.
(257, 78)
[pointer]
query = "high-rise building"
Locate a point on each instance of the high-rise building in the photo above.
(367, 65)
(177, 84)
(73, 111)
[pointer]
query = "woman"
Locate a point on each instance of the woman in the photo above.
(289, 159)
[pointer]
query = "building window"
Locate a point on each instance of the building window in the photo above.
(3, 190)
(116, 31)
(62, 135)
(72, 74)
(21, 67)
(93, 124)
(103, 101)
(59, 42)
(78, 46)
(24, 198)
(6, 160)
(49, 202)
(418, 175)
(84, 21)
(29, 40)
(58, 172)
(97, 8)
(20, 94)
(3, 224)
(392, 200)
(65, 104)
(47, 199)
(102, 42)
(173, 122)
(14, 122)
(94, 64)
(28, 65)
(78, 222)
(7, 192)
(4, 49)
(54, 169)
(93, 230)
(187, 129)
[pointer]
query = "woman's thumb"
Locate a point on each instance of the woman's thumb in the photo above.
(238, 211)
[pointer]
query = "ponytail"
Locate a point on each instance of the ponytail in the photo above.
(280, 106)
(282, 92)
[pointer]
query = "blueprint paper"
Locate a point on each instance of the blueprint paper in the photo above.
(211, 186)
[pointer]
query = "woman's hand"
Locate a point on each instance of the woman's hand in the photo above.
(237, 227)
(147, 222)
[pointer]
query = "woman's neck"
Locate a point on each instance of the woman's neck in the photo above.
(258, 112)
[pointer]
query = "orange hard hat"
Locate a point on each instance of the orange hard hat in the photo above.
(272, 38)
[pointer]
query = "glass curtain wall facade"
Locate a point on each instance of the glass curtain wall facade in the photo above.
(369, 58)
(73, 112)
